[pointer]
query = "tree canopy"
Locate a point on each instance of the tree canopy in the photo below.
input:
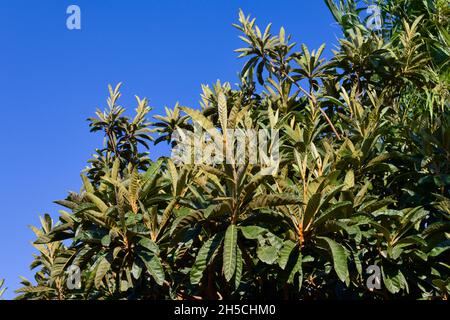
(363, 177)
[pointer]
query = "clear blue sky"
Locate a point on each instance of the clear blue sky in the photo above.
(52, 79)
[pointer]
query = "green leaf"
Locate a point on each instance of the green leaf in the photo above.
(393, 279)
(349, 180)
(252, 232)
(239, 267)
(204, 257)
(34, 289)
(97, 201)
(331, 212)
(61, 262)
(311, 208)
(2, 290)
(223, 111)
(339, 258)
(115, 169)
(267, 254)
(259, 72)
(103, 267)
(441, 248)
(273, 200)
(229, 252)
(152, 170)
(149, 244)
(285, 252)
(136, 269)
(296, 269)
(87, 184)
(186, 220)
(204, 122)
(153, 265)
(281, 35)
(106, 240)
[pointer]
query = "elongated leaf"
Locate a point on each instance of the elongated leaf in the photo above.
(204, 122)
(2, 290)
(153, 265)
(296, 269)
(273, 200)
(441, 248)
(229, 252)
(36, 289)
(188, 219)
(285, 253)
(252, 232)
(61, 262)
(102, 269)
(349, 180)
(97, 201)
(223, 111)
(239, 267)
(149, 244)
(339, 258)
(136, 269)
(331, 212)
(115, 169)
(87, 184)
(47, 238)
(311, 208)
(248, 191)
(393, 279)
(204, 257)
(267, 254)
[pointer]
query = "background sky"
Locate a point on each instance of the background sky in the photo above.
(52, 79)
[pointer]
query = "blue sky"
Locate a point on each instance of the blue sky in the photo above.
(52, 79)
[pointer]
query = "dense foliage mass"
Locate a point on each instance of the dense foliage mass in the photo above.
(363, 178)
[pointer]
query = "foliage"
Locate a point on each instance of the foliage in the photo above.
(50, 278)
(123, 136)
(363, 178)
